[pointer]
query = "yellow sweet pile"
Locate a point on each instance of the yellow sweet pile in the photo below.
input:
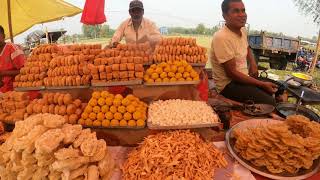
(109, 110)
(171, 72)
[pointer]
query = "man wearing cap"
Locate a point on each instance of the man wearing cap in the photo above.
(136, 29)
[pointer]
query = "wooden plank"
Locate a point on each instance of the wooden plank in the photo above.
(118, 83)
(21, 89)
(172, 83)
(67, 87)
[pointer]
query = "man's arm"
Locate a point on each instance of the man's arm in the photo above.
(253, 69)
(117, 36)
(155, 35)
(234, 74)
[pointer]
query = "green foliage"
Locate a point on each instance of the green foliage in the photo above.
(201, 29)
(97, 31)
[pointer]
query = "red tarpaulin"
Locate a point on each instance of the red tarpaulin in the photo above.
(93, 12)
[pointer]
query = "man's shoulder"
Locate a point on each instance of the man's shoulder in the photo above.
(221, 34)
(148, 21)
(126, 21)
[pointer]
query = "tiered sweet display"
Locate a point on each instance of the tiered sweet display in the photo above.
(124, 63)
(35, 69)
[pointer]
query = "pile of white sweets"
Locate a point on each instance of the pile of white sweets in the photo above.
(178, 112)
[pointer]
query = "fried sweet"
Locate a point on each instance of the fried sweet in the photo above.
(282, 147)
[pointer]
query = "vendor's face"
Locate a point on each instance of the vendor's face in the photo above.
(136, 14)
(236, 16)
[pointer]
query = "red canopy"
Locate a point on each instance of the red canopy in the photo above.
(93, 12)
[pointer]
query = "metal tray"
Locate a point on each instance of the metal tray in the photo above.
(195, 126)
(115, 127)
(66, 87)
(192, 64)
(230, 141)
(287, 109)
(118, 83)
(172, 83)
(198, 64)
(258, 109)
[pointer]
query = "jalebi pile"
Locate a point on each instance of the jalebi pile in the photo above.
(284, 147)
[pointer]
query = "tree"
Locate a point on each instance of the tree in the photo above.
(314, 38)
(97, 31)
(200, 29)
(90, 31)
(310, 8)
(104, 31)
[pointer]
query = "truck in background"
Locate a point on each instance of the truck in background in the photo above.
(277, 50)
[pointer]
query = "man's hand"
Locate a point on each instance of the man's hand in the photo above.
(115, 44)
(269, 87)
(107, 47)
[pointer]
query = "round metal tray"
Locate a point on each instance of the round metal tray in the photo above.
(230, 142)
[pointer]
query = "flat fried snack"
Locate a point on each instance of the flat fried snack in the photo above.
(282, 147)
(173, 155)
(43, 147)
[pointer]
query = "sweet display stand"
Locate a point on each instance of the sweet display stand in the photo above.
(147, 92)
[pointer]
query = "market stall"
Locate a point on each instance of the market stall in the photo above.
(133, 113)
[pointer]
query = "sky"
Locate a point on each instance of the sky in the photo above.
(270, 15)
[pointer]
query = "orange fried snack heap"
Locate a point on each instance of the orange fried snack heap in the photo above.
(35, 69)
(173, 155)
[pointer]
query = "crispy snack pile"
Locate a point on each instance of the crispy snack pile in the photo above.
(43, 146)
(173, 155)
(281, 147)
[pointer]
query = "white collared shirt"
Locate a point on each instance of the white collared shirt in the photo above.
(147, 30)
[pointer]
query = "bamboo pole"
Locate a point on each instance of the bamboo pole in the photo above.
(315, 59)
(9, 20)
